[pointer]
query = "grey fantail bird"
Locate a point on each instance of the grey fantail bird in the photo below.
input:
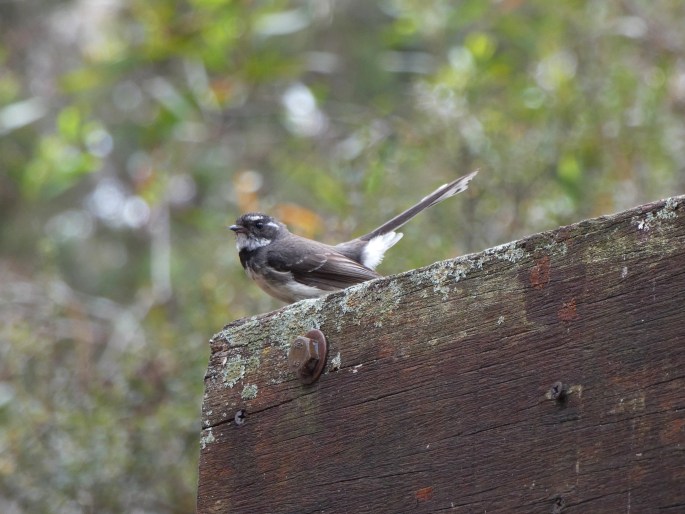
(292, 268)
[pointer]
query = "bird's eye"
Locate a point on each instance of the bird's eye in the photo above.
(259, 225)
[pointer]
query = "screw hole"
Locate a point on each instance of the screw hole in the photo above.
(559, 505)
(240, 417)
(558, 392)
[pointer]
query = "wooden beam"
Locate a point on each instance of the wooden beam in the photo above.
(437, 394)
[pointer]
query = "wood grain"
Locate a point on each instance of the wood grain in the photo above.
(436, 397)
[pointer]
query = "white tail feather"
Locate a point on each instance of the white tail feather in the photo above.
(373, 253)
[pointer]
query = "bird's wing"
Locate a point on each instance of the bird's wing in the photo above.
(318, 265)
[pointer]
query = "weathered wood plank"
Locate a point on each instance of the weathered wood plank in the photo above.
(435, 396)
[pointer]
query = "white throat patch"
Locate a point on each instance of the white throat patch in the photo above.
(245, 242)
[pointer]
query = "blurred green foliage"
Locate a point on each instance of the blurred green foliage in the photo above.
(133, 131)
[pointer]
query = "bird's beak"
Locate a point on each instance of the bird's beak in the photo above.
(238, 229)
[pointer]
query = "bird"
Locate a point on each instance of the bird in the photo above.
(292, 268)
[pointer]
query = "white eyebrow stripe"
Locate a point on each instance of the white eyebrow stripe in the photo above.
(254, 217)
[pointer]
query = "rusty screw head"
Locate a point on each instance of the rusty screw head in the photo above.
(307, 356)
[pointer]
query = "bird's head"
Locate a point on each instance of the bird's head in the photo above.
(254, 230)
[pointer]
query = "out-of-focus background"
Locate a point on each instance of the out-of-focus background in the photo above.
(132, 132)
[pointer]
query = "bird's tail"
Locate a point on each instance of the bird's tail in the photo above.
(437, 196)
